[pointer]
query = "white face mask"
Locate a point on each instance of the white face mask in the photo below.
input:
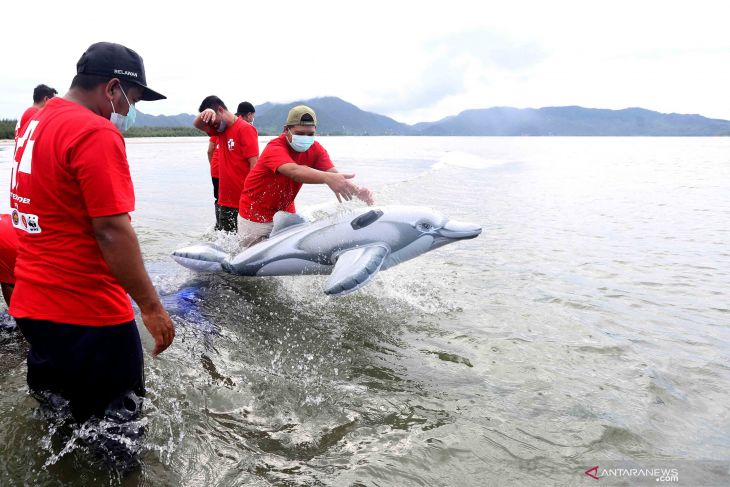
(301, 143)
(123, 122)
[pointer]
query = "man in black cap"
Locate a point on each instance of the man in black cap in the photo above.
(245, 112)
(71, 195)
(237, 151)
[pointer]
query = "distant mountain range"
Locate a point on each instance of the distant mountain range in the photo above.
(334, 117)
(338, 117)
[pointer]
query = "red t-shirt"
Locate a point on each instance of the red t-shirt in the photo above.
(24, 119)
(267, 191)
(214, 158)
(235, 145)
(71, 167)
(8, 250)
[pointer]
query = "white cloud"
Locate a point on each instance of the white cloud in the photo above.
(414, 61)
(451, 67)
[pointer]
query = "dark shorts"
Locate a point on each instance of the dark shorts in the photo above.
(95, 368)
(229, 219)
(215, 188)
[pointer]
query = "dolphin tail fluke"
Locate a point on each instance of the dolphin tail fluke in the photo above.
(201, 258)
(355, 268)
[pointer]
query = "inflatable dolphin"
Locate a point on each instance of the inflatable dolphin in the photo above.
(352, 247)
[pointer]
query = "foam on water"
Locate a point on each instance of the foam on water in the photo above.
(465, 160)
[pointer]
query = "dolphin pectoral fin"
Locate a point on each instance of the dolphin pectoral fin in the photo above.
(201, 258)
(355, 268)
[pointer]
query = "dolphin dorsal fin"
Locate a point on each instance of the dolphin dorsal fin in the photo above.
(355, 268)
(284, 220)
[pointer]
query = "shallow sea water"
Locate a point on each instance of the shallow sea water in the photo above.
(587, 326)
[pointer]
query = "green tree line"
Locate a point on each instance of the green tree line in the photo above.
(163, 132)
(7, 131)
(7, 128)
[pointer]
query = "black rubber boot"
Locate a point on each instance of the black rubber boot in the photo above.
(217, 217)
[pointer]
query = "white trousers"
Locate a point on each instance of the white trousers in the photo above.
(250, 233)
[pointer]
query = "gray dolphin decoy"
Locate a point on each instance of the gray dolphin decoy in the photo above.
(351, 247)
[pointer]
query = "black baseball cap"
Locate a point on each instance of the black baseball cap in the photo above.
(116, 61)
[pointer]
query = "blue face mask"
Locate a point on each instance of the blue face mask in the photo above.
(120, 121)
(301, 143)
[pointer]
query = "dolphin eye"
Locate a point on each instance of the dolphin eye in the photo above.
(425, 226)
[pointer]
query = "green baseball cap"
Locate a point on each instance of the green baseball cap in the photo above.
(301, 115)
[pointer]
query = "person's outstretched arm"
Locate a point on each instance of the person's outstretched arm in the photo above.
(363, 193)
(338, 182)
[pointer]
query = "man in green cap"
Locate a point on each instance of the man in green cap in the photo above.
(288, 161)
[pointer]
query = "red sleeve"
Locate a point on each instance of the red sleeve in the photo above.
(100, 166)
(275, 156)
(250, 141)
(322, 159)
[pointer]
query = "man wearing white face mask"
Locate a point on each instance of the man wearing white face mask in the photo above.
(238, 151)
(288, 161)
(79, 258)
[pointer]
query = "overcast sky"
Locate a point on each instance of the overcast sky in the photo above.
(411, 60)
